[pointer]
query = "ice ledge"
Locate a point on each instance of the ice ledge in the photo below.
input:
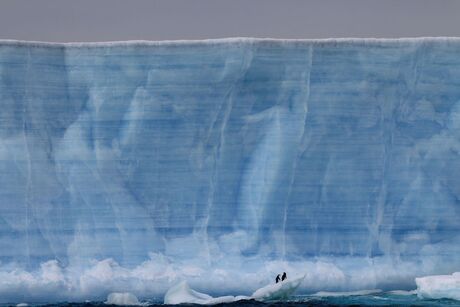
(235, 40)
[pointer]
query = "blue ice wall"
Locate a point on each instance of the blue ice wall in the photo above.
(286, 150)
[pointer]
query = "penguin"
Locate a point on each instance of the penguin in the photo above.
(277, 278)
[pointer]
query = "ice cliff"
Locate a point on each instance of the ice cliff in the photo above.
(227, 161)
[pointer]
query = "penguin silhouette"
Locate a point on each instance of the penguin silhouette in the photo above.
(278, 278)
(284, 276)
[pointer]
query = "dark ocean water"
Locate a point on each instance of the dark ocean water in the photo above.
(361, 300)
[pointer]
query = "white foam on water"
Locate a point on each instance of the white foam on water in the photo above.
(439, 286)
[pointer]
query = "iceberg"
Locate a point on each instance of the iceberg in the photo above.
(439, 286)
(130, 166)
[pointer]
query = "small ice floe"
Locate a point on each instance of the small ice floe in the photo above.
(183, 294)
(439, 286)
(22, 305)
(278, 291)
(349, 293)
(402, 292)
(123, 299)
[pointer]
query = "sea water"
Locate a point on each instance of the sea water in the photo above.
(360, 300)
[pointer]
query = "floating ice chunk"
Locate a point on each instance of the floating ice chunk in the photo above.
(402, 292)
(349, 293)
(22, 305)
(278, 291)
(125, 299)
(182, 293)
(439, 286)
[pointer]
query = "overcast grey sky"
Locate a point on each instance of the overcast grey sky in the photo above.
(109, 20)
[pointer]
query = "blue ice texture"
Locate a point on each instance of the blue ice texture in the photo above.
(131, 166)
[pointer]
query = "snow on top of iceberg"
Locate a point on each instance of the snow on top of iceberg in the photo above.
(439, 286)
(231, 40)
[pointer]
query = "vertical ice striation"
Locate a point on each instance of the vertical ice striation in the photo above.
(256, 150)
